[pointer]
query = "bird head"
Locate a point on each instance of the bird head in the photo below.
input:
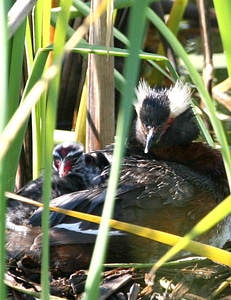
(66, 156)
(157, 109)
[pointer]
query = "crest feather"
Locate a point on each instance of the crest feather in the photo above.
(142, 91)
(179, 97)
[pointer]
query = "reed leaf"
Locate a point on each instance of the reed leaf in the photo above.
(50, 122)
(3, 163)
(223, 13)
(136, 31)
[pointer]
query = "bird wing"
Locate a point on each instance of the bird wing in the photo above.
(141, 187)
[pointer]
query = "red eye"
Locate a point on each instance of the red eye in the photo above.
(170, 121)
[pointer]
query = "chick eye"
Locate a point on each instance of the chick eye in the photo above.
(75, 160)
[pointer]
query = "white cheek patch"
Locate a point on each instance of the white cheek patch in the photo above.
(76, 227)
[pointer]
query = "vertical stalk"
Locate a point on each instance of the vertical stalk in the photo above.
(136, 31)
(100, 118)
(3, 120)
(52, 99)
(223, 13)
(14, 91)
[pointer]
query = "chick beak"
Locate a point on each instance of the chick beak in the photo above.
(64, 169)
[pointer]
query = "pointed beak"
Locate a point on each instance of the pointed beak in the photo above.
(152, 137)
(149, 140)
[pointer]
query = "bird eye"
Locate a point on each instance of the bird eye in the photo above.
(146, 126)
(75, 160)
